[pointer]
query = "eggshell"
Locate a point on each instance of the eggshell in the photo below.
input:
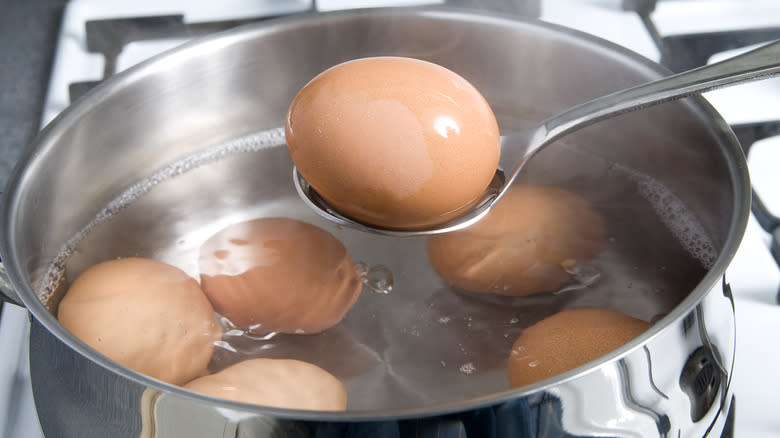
(523, 246)
(278, 275)
(280, 383)
(567, 340)
(394, 142)
(146, 315)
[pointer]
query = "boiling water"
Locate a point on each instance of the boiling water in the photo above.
(410, 340)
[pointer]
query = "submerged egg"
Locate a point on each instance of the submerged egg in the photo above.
(566, 340)
(278, 275)
(146, 315)
(280, 383)
(394, 142)
(525, 245)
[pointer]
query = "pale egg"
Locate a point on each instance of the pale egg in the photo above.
(527, 244)
(566, 340)
(279, 383)
(278, 275)
(394, 142)
(144, 314)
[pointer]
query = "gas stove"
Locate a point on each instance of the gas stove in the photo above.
(98, 39)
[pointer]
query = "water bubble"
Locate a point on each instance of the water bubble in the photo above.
(467, 368)
(263, 337)
(226, 324)
(361, 269)
(377, 278)
(582, 276)
(445, 319)
(226, 346)
(412, 331)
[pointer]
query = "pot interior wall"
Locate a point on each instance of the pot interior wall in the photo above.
(425, 342)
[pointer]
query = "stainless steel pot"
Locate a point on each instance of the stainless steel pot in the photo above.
(674, 380)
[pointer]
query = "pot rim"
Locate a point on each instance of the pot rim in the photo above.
(45, 140)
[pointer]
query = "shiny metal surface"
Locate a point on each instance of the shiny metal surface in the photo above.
(180, 104)
(638, 395)
(7, 293)
(321, 207)
(519, 147)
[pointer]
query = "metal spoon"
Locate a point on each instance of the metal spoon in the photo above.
(519, 147)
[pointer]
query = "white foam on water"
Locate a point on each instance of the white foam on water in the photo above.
(676, 216)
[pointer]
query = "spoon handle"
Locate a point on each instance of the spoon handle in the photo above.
(756, 64)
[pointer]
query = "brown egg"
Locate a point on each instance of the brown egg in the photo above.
(278, 275)
(567, 340)
(394, 142)
(523, 246)
(279, 383)
(146, 315)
